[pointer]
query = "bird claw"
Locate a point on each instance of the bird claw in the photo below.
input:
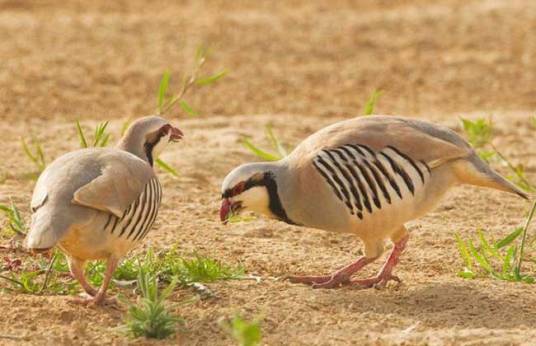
(378, 282)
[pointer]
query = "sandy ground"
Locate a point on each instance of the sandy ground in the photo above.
(298, 65)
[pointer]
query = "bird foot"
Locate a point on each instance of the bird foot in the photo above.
(326, 281)
(378, 282)
(308, 280)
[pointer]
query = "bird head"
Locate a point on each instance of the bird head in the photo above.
(148, 136)
(246, 188)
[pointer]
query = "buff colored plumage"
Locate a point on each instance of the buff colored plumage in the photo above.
(367, 176)
(98, 203)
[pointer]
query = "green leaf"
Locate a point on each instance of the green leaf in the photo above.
(259, 152)
(200, 54)
(81, 136)
(464, 252)
(166, 167)
(480, 259)
(509, 238)
(276, 144)
(479, 132)
(467, 274)
(187, 109)
(491, 250)
(210, 79)
(371, 102)
(101, 137)
(162, 90)
(508, 260)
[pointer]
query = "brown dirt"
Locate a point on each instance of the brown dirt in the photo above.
(300, 65)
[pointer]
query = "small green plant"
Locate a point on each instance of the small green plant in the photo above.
(101, 137)
(38, 276)
(165, 102)
(517, 172)
(479, 132)
(15, 221)
(149, 317)
(197, 269)
(245, 333)
(35, 153)
(277, 146)
(370, 105)
(23, 282)
(500, 260)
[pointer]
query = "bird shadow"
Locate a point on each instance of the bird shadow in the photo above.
(447, 304)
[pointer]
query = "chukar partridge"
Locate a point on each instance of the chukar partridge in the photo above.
(98, 203)
(367, 176)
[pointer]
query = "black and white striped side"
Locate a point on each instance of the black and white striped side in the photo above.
(366, 180)
(138, 219)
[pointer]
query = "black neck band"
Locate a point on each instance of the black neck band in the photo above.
(275, 202)
(149, 152)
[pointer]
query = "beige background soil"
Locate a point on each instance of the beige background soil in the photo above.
(299, 65)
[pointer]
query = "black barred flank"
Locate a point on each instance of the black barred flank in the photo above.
(355, 173)
(348, 164)
(328, 179)
(398, 170)
(379, 181)
(338, 180)
(137, 220)
(410, 160)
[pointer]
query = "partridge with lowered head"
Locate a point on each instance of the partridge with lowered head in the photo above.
(367, 176)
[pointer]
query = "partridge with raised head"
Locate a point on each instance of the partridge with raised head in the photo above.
(367, 176)
(98, 203)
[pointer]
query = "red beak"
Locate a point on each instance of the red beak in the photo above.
(225, 210)
(176, 134)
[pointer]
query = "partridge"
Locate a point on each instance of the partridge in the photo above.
(367, 176)
(98, 203)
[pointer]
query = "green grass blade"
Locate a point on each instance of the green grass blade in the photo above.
(508, 260)
(509, 238)
(490, 250)
(101, 138)
(370, 105)
(81, 136)
(524, 238)
(464, 252)
(480, 259)
(211, 79)
(166, 167)
(28, 152)
(187, 108)
(276, 144)
(162, 90)
(259, 152)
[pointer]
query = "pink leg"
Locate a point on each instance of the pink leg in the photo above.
(385, 275)
(99, 297)
(337, 279)
(77, 271)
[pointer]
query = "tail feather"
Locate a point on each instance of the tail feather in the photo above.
(473, 170)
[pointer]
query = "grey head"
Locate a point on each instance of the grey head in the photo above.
(146, 137)
(255, 187)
